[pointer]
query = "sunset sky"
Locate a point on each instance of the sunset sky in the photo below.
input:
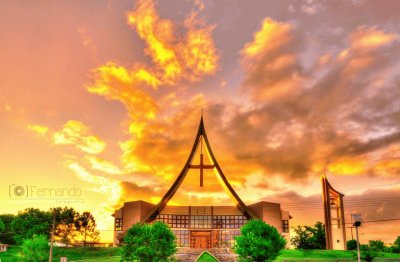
(105, 97)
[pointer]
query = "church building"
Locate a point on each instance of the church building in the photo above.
(201, 226)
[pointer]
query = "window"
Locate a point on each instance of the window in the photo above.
(174, 221)
(182, 238)
(229, 221)
(226, 238)
(118, 224)
(200, 222)
(285, 226)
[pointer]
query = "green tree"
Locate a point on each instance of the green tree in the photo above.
(351, 244)
(65, 224)
(396, 246)
(86, 226)
(307, 237)
(35, 249)
(367, 253)
(30, 222)
(258, 242)
(2, 225)
(377, 245)
(6, 236)
(148, 243)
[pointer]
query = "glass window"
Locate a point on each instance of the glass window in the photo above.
(285, 226)
(182, 237)
(200, 222)
(226, 238)
(118, 224)
(174, 221)
(229, 221)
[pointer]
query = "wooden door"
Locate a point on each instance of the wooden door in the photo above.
(200, 239)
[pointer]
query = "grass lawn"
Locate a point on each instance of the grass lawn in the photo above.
(205, 257)
(73, 254)
(317, 255)
(112, 254)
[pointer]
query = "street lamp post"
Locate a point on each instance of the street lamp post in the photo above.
(357, 222)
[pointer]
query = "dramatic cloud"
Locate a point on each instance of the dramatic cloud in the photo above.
(189, 57)
(78, 134)
(97, 163)
(271, 62)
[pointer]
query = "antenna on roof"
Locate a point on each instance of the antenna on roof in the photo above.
(201, 112)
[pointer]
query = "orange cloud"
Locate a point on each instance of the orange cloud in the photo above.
(269, 38)
(41, 130)
(271, 62)
(100, 164)
(77, 134)
(174, 57)
(364, 44)
(370, 38)
(198, 51)
(158, 34)
(349, 166)
(118, 83)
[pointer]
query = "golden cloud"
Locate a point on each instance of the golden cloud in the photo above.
(100, 164)
(41, 130)
(158, 34)
(78, 134)
(118, 83)
(174, 57)
(349, 166)
(270, 62)
(370, 38)
(269, 38)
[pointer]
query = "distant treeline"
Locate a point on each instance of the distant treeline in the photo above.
(70, 225)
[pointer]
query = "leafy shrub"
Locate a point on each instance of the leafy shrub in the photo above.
(377, 245)
(148, 243)
(351, 244)
(259, 242)
(7, 234)
(396, 246)
(371, 251)
(364, 247)
(307, 237)
(2, 226)
(30, 222)
(35, 249)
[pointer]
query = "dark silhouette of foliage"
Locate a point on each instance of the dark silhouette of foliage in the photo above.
(396, 246)
(2, 225)
(86, 226)
(377, 245)
(307, 237)
(351, 244)
(6, 234)
(65, 224)
(367, 253)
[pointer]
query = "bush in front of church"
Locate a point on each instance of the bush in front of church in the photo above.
(148, 243)
(259, 242)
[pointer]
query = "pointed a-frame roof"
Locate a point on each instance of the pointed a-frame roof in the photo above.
(201, 133)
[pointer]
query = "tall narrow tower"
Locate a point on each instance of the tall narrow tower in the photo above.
(335, 230)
